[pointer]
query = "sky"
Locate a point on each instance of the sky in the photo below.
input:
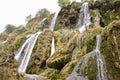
(15, 11)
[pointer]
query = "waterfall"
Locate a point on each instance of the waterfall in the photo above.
(101, 66)
(84, 17)
(52, 46)
(80, 65)
(27, 48)
(98, 41)
(51, 27)
(18, 55)
(42, 22)
(100, 61)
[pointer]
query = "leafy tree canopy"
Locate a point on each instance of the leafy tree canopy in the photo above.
(42, 12)
(28, 18)
(9, 28)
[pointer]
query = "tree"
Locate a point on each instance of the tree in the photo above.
(9, 28)
(20, 29)
(64, 3)
(28, 18)
(43, 13)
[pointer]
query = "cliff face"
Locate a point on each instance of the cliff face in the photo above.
(70, 45)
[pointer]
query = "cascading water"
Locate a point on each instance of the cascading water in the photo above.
(100, 61)
(53, 46)
(84, 17)
(51, 27)
(18, 55)
(84, 61)
(28, 45)
(42, 22)
(101, 74)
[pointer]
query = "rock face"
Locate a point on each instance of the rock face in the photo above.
(68, 16)
(70, 45)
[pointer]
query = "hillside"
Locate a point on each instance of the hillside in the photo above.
(92, 53)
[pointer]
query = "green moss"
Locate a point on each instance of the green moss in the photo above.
(16, 44)
(92, 70)
(75, 5)
(29, 70)
(36, 47)
(95, 13)
(68, 68)
(58, 62)
(108, 49)
(78, 49)
(56, 76)
(90, 45)
(57, 27)
(109, 16)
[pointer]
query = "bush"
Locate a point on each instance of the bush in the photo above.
(42, 12)
(9, 28)
(63, 3)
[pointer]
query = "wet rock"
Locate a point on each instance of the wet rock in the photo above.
(58, 62)
(76, 76)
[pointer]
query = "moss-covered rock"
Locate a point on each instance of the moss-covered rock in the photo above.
(90, 70)
(110, 49)
(58, 62)
(35, 23)
(95, 18)
(8, 67)
(63, 53)
(68, 16)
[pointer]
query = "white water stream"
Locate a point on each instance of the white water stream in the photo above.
(25, 52)
(84, 17)
(51, 27)
(82, 64)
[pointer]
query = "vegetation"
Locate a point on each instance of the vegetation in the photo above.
(20, 29)
(9, 28)
(70, 44)
(63, 3)
(28, 18)
(43, 13)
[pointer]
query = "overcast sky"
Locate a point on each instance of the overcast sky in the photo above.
(15, 11)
